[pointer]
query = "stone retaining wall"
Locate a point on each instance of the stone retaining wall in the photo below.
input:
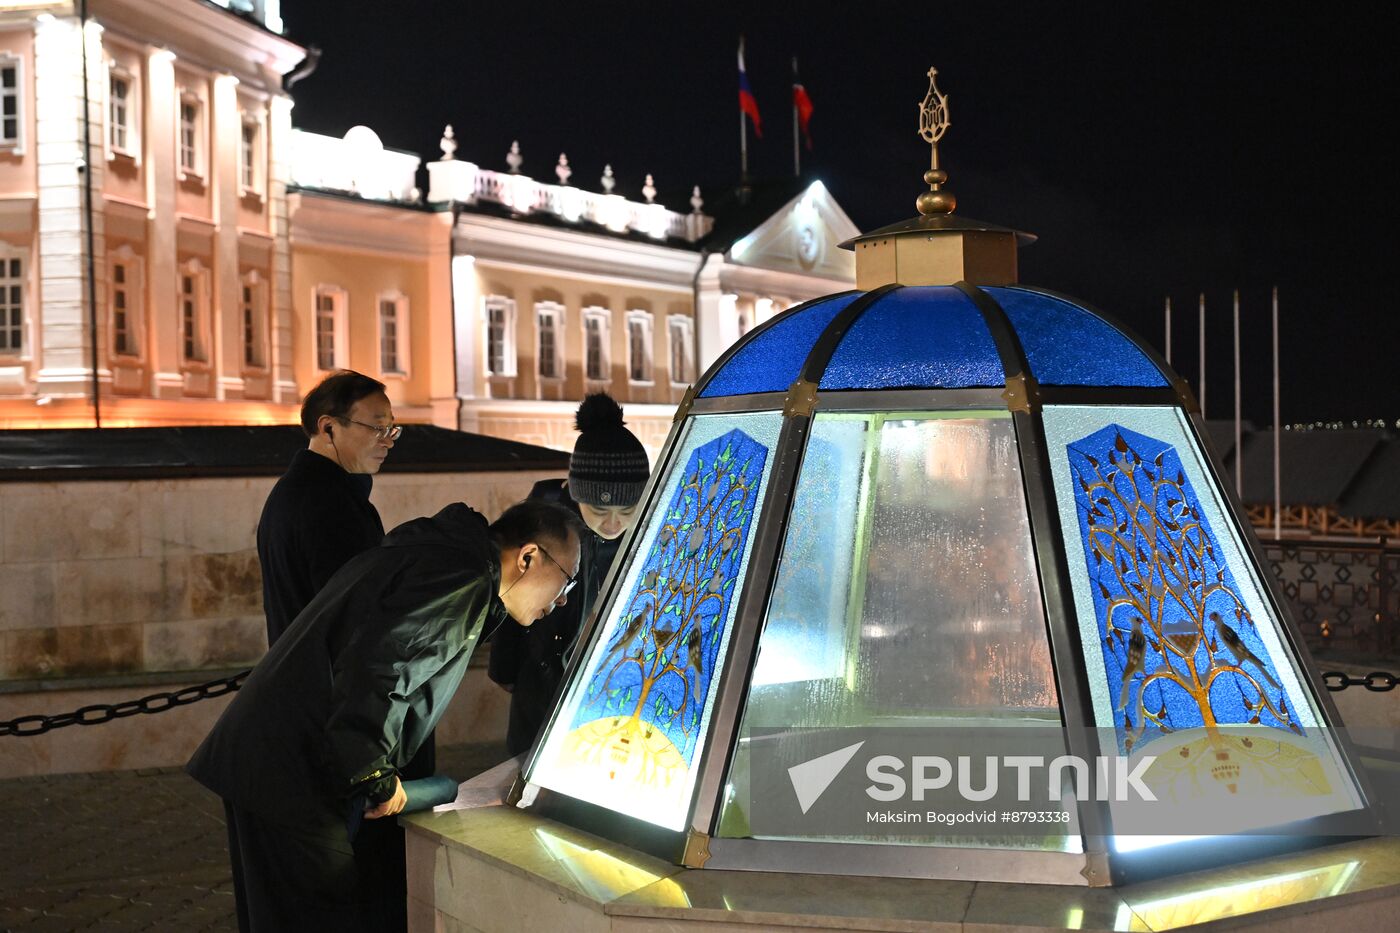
(144, 577)
(114, 577)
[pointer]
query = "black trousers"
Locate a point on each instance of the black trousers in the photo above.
(309, 877)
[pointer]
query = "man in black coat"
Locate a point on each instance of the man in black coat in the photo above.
(318, 516)
(607, 472)
(329, 718)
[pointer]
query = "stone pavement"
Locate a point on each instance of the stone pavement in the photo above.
(130, 850)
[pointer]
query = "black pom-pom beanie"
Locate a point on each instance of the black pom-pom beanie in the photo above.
(609, 465)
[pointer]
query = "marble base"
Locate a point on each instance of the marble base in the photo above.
(480, 866)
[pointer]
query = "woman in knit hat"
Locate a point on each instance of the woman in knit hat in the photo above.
(607, 471)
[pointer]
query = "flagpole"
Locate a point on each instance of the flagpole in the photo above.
(1278, 494)
(1201, 382)
(743, 127)
(1239, 450)
(743, 149)
(796, 152)
(1168, 329)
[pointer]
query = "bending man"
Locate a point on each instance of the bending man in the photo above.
(342, 701)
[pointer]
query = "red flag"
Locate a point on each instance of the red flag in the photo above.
(802, 104)
(747, 103)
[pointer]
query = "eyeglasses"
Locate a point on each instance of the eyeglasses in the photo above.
(386, 433)
(570, 580)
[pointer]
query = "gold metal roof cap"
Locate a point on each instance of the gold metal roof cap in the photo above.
(937, 248)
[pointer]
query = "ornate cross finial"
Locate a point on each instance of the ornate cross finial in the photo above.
(563, 170)
(649, 189)
(696, 202)
(448, 144)
(607, 181)
(513, 158)
(933, 123)
(933, 114)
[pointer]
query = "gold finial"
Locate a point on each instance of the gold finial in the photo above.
(933, 123)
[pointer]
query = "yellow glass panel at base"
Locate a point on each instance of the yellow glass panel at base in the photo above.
(602, 755)
(1220, 781)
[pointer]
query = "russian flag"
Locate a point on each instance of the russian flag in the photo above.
(747, 103)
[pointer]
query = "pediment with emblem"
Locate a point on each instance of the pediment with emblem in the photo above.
(801, 237)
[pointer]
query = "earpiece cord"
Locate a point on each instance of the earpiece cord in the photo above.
(502, 597)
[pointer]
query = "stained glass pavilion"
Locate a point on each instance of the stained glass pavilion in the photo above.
(941, 497)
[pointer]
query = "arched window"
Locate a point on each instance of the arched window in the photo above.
(250, 153)
(639, 347)
(597, 334)
(192, 295)
(123, 112)
(126, 302)
(252, 312)
(330, 303)
(393, 334)
(681, 331)
(549, 318)
(11, 103)
(499, 313)
(14, 322)
(190, 141)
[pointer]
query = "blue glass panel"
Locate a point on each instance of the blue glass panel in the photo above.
(1068, 345)
(771, 361)
(629, 731)
(922, 337)
(659, 663)
(1187, 660)
(1181, 648)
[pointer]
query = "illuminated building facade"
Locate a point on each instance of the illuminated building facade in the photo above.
(561, 291)
(171, 248)
(143, 214)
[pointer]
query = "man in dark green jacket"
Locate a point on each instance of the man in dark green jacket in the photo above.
(343, 700)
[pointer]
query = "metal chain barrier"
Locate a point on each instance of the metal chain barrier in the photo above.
(106, 712)
(1376, 681)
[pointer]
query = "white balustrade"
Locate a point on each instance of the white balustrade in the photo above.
(524, 195)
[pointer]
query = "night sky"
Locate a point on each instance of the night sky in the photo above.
(1162, 151)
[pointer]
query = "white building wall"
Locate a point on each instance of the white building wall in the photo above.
(65, 346)
(167, 381)
(279, 175)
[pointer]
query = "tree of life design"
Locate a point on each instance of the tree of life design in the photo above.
(1181, 649)
(662, 651)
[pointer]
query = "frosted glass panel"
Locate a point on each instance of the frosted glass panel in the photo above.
(907, 592)
(628, 735)
(950, 618)
(907, 586)
(804, 640)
